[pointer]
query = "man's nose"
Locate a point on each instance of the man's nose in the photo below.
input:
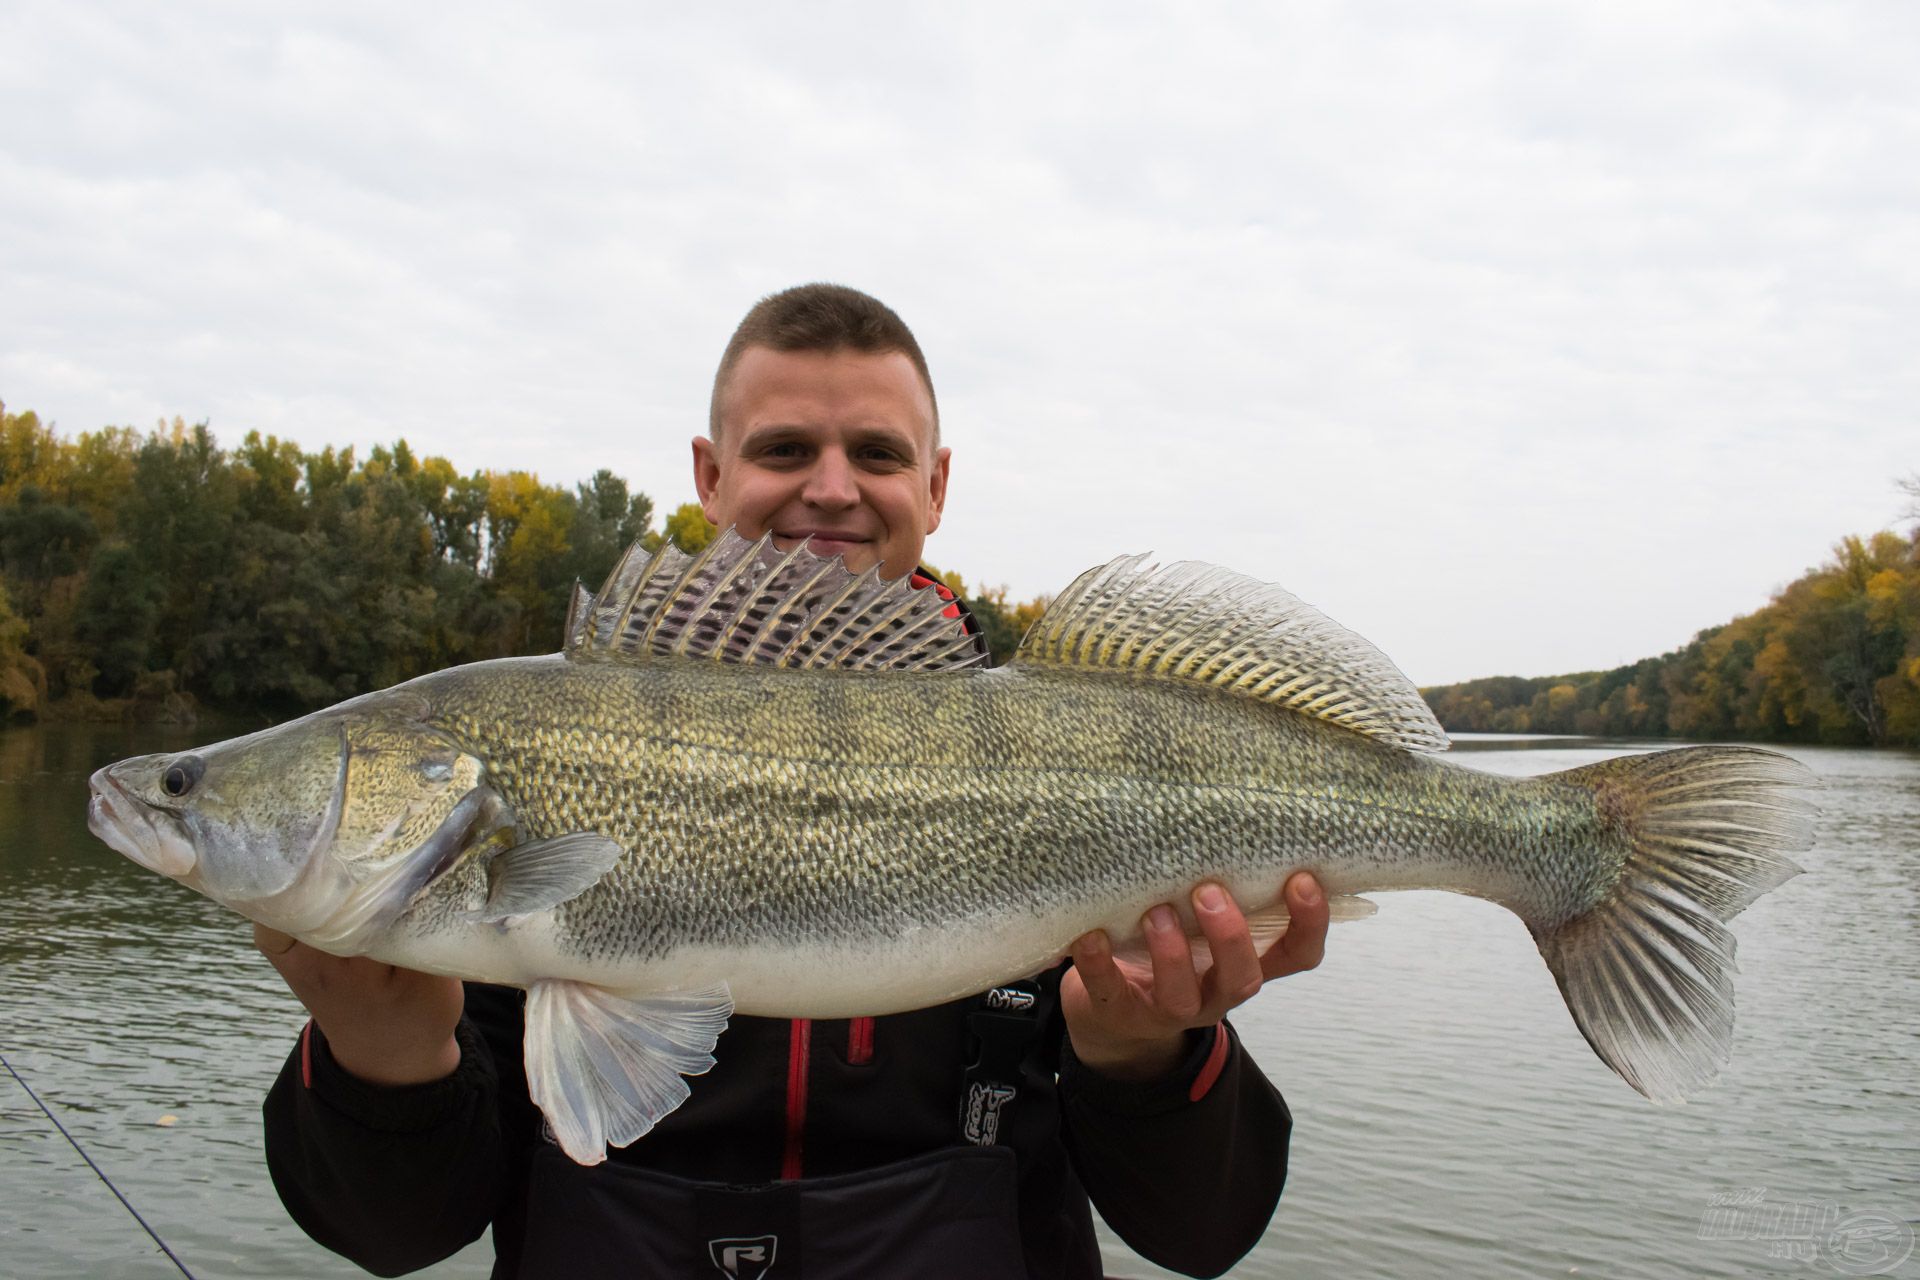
(831, 483)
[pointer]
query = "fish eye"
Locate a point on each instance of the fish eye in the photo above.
(181, 775)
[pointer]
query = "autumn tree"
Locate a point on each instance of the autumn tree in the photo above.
(1834, 657)
(22, 683)
(689, 529)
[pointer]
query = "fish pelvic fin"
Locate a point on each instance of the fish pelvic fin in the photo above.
(1201, 623)
(1648, 973)
(605, 1067)
(750, 602)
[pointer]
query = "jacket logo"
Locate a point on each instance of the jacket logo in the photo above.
(1010, 998)
(984, 1100)
(743, 1257)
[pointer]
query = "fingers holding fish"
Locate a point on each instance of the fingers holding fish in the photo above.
(1129, 1015)
(383, 1023)
(271, 942)
(1108, 1008)
(1304, 942)
(1234, 976)
(1175, 996)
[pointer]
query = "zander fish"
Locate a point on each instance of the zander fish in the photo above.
(753, 781)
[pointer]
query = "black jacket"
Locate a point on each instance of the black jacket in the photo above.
(1188, 1171)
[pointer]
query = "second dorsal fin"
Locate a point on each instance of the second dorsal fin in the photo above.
(749, 602)
(1199, 622)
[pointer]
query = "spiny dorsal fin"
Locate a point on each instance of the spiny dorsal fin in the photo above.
(750, 602)
(1199, 622)
(579, 614)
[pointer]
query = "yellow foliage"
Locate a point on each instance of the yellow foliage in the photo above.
(1028, 612)
(23, 683)
(1900, 698)
(689, 529)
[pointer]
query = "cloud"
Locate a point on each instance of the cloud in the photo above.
(1521, 339)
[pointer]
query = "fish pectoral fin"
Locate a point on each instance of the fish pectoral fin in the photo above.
(605, 1067)
(545, 873)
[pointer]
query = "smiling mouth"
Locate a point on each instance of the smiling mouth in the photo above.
(822, 536)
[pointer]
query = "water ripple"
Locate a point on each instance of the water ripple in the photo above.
(1449, 1118)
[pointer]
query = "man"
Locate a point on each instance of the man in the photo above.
(960, 1140)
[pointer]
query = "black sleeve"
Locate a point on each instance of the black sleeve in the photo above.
(1190, 1184)
(392, 1178)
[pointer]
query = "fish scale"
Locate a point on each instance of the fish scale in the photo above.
(756, 782)
(784, 823)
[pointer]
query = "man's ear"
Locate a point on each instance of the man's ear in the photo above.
(937, 487)
(706, 473)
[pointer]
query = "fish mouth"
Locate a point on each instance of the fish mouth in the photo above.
(126, 825)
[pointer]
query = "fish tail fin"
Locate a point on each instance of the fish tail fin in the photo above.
(1648, 973)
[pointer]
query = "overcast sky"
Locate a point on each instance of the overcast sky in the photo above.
(1521, 338)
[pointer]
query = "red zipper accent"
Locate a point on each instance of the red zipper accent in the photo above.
(1210, 1071)
(306, 1055)
(799, 1034)
(860, 1041)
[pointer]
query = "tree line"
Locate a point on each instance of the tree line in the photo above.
(147, 573)
(1834, 657)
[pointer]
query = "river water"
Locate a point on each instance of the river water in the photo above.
(1449, 1119)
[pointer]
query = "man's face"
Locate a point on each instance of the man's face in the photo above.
(836, 446)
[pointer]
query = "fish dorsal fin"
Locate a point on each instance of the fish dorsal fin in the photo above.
(749, 602)
(579, 614)
(1198, 622)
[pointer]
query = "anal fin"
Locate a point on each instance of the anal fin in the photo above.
(1269, 924)
(605, 1067)
(1265, 925)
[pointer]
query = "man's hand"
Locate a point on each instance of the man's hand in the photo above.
(386, 1025)
(1130, 1022)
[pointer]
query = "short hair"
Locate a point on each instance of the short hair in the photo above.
(821, 317)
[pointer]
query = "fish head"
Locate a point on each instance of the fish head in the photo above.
(316, 827)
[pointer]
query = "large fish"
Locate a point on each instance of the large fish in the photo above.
(755, 782)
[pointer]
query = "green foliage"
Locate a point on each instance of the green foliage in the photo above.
(160, 567)
(1835, 657)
